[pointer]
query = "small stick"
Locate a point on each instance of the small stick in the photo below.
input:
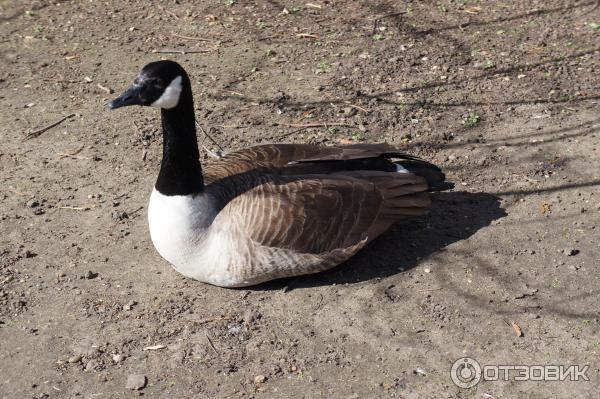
(376, 20)
(234, 126)
(307, 35)
(318, 124)
(210, 138)
(266, 38)
(390, 15)
(430, 289)
(211, 319)
(212, 345)
(38, 132)
(289, 133)
(104, 88)
(135, 210)
(200, 39)
(307, 114)
(74, 208)
(180, 51)
(72, 154)
(357, 107)
(14, 190)
(318, 6)
(168, 12)
(594, 6)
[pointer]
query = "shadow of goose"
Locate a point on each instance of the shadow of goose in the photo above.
(454, 216)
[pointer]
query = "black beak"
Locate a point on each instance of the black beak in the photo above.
(130, 97)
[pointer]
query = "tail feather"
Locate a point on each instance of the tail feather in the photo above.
(436, 179)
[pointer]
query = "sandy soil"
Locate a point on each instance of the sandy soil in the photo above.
(502, 94)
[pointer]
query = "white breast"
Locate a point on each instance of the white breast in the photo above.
(177, 225)
(181, 231)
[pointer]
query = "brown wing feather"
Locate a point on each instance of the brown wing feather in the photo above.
(324, 213)
(275, 157)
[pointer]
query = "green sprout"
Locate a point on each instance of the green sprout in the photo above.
(358, 136)
(472, 119)
(323, 67)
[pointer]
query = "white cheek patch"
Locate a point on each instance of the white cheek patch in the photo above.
(170, 96)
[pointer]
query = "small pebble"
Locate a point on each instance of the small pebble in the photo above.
(259, 379)
(33, 203)
(118, 358)
(29, 254)
(91, 365)
(136, 382)
(349, 111)
(74, 359)
(570, 251)
(420, 371)
(91, 275)
(129, 305)
(250, 316)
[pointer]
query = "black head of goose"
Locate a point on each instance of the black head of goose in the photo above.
(268, 211)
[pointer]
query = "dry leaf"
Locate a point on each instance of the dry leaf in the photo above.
(546, 208)
(517, 329)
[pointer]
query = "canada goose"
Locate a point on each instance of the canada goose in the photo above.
(268, 211)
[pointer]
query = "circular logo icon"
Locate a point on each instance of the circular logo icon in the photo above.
(466, 372)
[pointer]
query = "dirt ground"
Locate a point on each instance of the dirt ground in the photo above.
(502, 94)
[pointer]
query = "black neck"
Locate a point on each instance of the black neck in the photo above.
(180, 170)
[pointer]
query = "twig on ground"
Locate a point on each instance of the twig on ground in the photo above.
(104, 88)
(133, 214)
(212, 319)
(596, 5)
(14, 190)
(209, 137)
(236, 93)
(358, 107)
(212, 345)
(260, 39)
(180, 51)
(288, 133)
(307, 35)
(312, 5)
(472, 10)
(376, 20)
(317, 124)
(168, 12)
(38, 132)
(72, 154)
(306, 114)
(430, 289)
(154, 347)
(74, 208)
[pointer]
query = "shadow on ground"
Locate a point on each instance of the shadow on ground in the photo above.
(454, 216)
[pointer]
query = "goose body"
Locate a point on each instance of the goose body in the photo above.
(268, 211)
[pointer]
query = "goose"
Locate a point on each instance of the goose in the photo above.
(268, 211)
